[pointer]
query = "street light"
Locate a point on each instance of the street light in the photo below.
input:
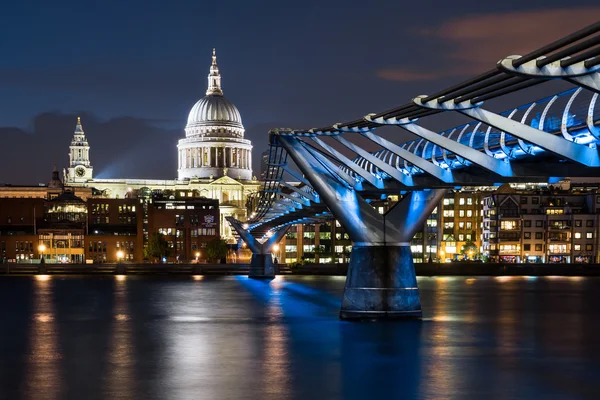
(276, 248)
(442, 259)
(197, 255)
(120, 255)
(41, 249)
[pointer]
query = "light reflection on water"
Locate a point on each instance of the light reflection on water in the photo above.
(233, 337)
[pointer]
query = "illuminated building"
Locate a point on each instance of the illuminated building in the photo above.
(214, 159)
(62, 227)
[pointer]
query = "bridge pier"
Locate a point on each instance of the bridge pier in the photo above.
(381, 281)
(261, 266)
(261, 263)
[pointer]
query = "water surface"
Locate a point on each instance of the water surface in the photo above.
(235, 338)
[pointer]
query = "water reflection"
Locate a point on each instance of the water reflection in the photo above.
(121, 374)
(43, 373)
(148, 339)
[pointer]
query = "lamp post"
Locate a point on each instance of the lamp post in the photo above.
(442, 254)
(197, 256)
(276, 251)
(41, 249)
(120, 255)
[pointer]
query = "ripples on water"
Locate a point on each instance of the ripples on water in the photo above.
(235, 338)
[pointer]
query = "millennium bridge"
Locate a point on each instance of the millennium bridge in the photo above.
(544, 140)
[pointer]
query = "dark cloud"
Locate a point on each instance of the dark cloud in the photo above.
(476, 42)
(120, 147)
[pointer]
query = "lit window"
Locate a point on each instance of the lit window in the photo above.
(577, 235)
(589, 235)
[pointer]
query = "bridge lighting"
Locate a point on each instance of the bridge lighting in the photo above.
(245, 226)
(276, 248)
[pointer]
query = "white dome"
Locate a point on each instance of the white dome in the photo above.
(214, 110)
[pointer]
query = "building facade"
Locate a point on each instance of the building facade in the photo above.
(543, 225)
(63, 227)
(510, 224)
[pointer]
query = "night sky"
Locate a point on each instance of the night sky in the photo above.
(133, 69)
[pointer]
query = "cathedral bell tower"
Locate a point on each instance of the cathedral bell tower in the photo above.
(80, 170)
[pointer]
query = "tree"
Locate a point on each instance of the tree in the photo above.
(157, 246)
(216, 249)
(469, 248)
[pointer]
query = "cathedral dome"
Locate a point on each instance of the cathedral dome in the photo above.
(214, 110)
(214, 145)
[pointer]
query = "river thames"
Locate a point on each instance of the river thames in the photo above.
(235, 338)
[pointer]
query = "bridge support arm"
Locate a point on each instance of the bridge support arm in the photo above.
(261, 264)
(381, 281)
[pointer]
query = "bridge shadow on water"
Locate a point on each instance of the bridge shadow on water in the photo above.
(334, 358)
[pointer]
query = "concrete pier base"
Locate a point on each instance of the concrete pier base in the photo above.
(261, 266)
(381, 284)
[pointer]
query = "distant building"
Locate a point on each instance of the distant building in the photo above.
(57, 223)
(543, 225)
(511, 223)
(264, 165)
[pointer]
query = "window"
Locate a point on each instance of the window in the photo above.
(448, 213)
(523, 200)
(461, 237)
(308, 235)
(539, 235)
(324, 235)
(577, 235)
(527, 224)
(290, 248)
(589, 235)
(461, 225)
(461, 201)
(589, 247)
(539, 224)
(448, 202)
(589, 223)
(527, 235)
(527, 247)
(508, 225)
(510, 248)
(469, 201)
(469, 225)
(535, 200)
(577, 247)
(557, 248)
(308, 248)
(468, 236)
(469, 213)
(539, 247)
(578, 223)
(448, 225)
(461, 213)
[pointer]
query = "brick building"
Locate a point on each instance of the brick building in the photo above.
(55, 222)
